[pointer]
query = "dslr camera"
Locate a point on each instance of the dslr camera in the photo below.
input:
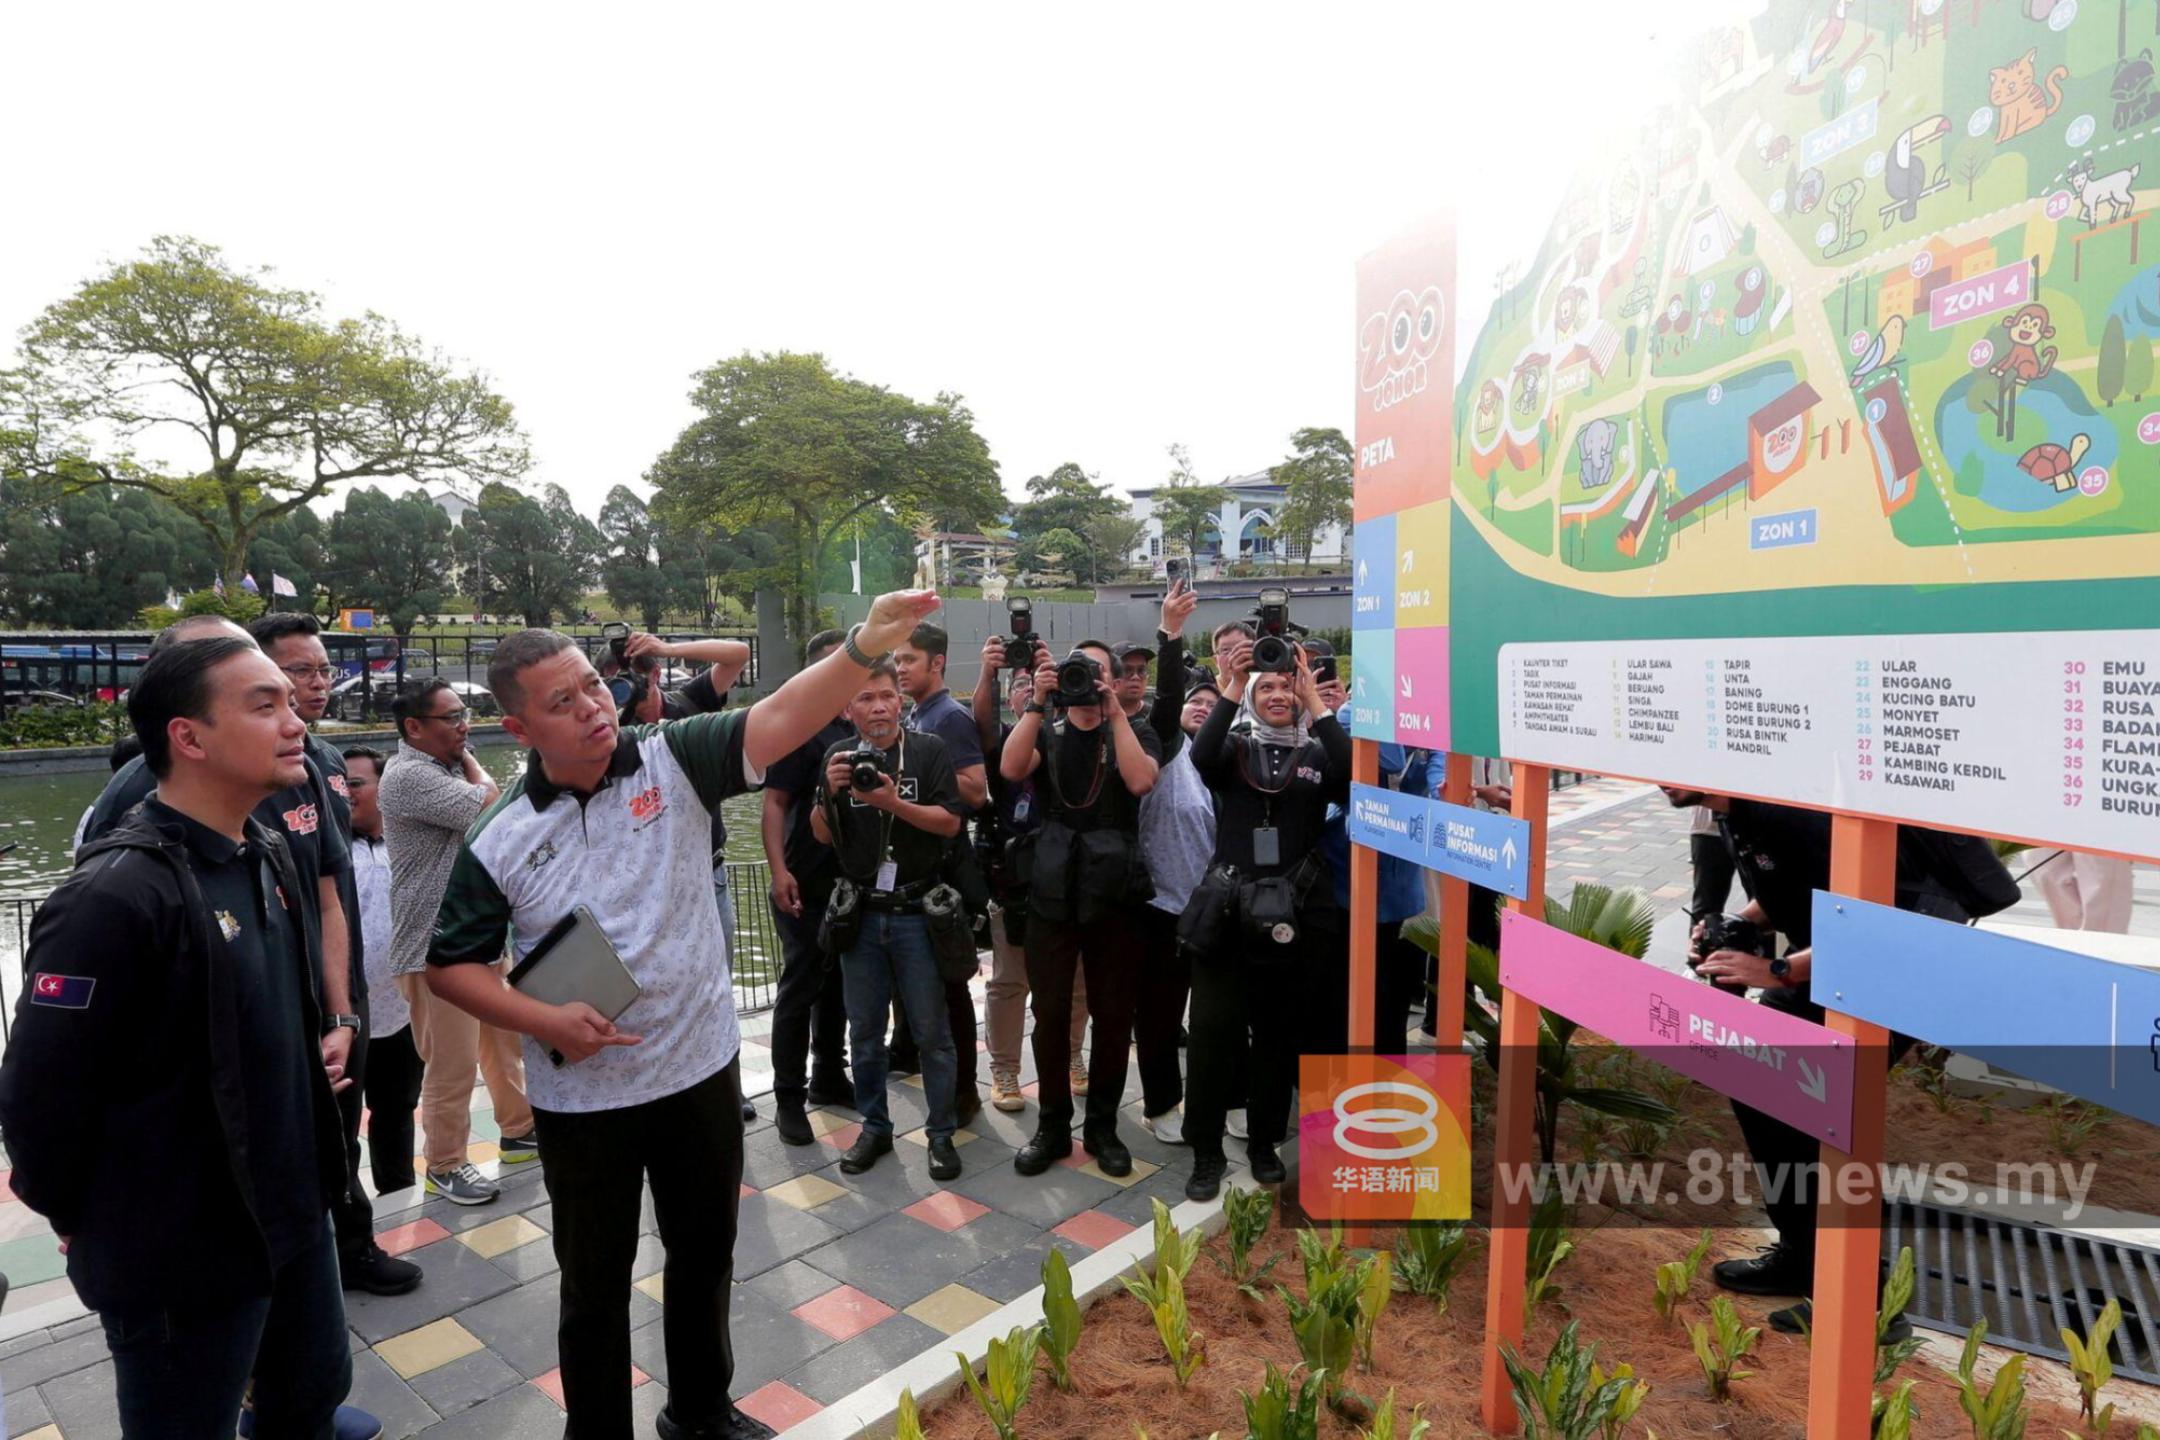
(1273, 652)
(1025, 644)
(632, 679)
(1078, 675)
(1730, 932)
(865, 765)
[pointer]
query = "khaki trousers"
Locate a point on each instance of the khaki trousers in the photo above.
(452, 1045)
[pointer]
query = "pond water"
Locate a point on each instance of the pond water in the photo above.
(2053, 409)
(1704, 441)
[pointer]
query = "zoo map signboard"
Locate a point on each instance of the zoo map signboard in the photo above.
(1816, 453)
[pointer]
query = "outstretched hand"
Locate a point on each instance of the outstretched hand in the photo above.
(893, 617)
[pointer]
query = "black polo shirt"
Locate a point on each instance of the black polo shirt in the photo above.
(799, 776)
(259, 936)
(338, 792)
(1077, 782)
(862, 834)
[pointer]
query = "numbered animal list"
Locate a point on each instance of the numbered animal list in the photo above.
(2040, 736)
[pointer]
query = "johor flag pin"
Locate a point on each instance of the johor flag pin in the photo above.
(65, 992)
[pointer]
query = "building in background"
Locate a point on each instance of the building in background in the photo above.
(964, 559)
(1247, 520)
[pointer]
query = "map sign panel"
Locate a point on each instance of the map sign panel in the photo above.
(1852, 343)
(1406, 367)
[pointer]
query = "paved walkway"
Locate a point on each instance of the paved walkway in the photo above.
(839, 1277)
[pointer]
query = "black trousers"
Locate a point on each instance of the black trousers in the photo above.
(960, 1016)
(1164, 982)
(392, 1090)
(1484, 929)
(352, 1214)
(1107, 953)
(1255, 1013)
(1713, 861)
(689, 1145)
(809, 1028)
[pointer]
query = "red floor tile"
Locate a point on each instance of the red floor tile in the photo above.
(779, 1405)
(843, 1313)
(550, 1384)
(748, 1191)
(398, 1239)
(1092, 1228)
(843, 1137)
(946, 1211)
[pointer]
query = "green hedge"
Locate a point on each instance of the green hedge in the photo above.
(48, 727)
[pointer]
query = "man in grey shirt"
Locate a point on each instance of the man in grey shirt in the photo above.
(432, 791)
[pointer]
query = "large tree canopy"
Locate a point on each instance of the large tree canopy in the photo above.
(91, 559)
(528, 557)
(784, 443)
(235, 398)
(1316, 477)
(1092, 524)
(1189, 507)
(392, 553)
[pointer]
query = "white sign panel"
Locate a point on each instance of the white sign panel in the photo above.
(2042, 736)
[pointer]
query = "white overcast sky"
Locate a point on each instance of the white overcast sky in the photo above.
(1109, 227)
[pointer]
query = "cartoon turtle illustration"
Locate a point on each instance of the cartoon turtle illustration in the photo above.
(2050, 464)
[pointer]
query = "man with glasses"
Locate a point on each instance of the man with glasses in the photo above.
(432, 791)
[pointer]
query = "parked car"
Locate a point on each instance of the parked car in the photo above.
(347, 700)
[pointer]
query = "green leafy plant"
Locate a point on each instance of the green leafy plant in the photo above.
(1276, 1412)
(1385, 1425)
(907, 1425)
(1897, 1294)
(1427, 1257)
(1008, 1375)
(1721, 1345)
(1323, 1256)
(1173, 1323)
(1325, 1324)
(2090, 1363)
(1675, 1276)
(1571, 1398)
(1549, 1246)
(1376, 1285)
(1891, 1416)
(1997, 1413)
(1617, 919)
(1173, 1251)
(1246, 1214)
(2070, 1123)
(1928, 1071)
(1061, 1316)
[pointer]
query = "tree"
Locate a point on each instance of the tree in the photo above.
(1072, 500)
(1112, 538)
(530, 557)
(629, 564)
(392, 553)
(703, 562)
(2138, 367)
(2113, 361)
(1628, 343)
(290, 547)
(1970, 161)
(785, 442)
(90, 559)
(1316, 482)
(177, 353)
(1187, 507)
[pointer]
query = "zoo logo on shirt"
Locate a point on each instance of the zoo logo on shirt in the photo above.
(301, 820)
(647, 806)
(337, 783)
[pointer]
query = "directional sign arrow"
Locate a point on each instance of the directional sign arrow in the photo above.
(1409, 561)
(1363, 572)
(1814, 1082)
(1406, 691)
(1360, 682)
(1507, 852)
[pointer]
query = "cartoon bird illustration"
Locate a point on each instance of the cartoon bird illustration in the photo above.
(1826, 39)
(1884, 352)
(1906, 174)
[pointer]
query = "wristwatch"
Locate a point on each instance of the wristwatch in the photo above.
(856, 653)
(1780, 968)
(341, 1022)
(1035, 709)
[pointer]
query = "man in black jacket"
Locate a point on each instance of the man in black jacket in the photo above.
(170, 1024)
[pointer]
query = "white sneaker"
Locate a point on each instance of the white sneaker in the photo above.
(1234, 1123)
(1168, 1127)
(463, 1186)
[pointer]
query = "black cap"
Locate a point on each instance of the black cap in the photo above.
(1201, 680)
(1125, 648)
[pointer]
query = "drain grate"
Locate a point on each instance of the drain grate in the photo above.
(2030, 1283)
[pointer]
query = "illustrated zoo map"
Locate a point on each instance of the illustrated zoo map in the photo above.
(1851, 349)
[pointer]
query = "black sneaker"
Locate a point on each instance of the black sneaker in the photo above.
(1110, 1153)
(1044, 1149)
(944, 1158)
(1267, 1166)
(1206, 1180)
(832, 1092)
(735, 1425)
(376, 1272)
(749, 1112)
(864, 1153)
(1774, 1271)
(792, 1124)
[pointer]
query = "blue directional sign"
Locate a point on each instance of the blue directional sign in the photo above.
(1372, 600)
(1483, 846)
(2086, 1026)
(1389, 821)
(1372, 685)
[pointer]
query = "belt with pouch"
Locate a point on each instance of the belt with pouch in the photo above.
(908, 898)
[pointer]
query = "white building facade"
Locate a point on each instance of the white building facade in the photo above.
(1242, 531)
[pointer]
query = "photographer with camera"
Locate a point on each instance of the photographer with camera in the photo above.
(1269, 943)
(889, 806)
(1084, 880)
(1783, 856)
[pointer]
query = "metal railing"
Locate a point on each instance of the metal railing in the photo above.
(756, 952)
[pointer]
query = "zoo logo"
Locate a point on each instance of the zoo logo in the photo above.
(1396, 346)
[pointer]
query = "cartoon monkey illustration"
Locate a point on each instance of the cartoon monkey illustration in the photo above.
(2027, 360)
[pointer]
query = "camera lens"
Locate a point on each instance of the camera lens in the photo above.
(1273, 655)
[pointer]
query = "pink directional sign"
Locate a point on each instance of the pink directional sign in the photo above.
(1780, 1064)
(2001, 289)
